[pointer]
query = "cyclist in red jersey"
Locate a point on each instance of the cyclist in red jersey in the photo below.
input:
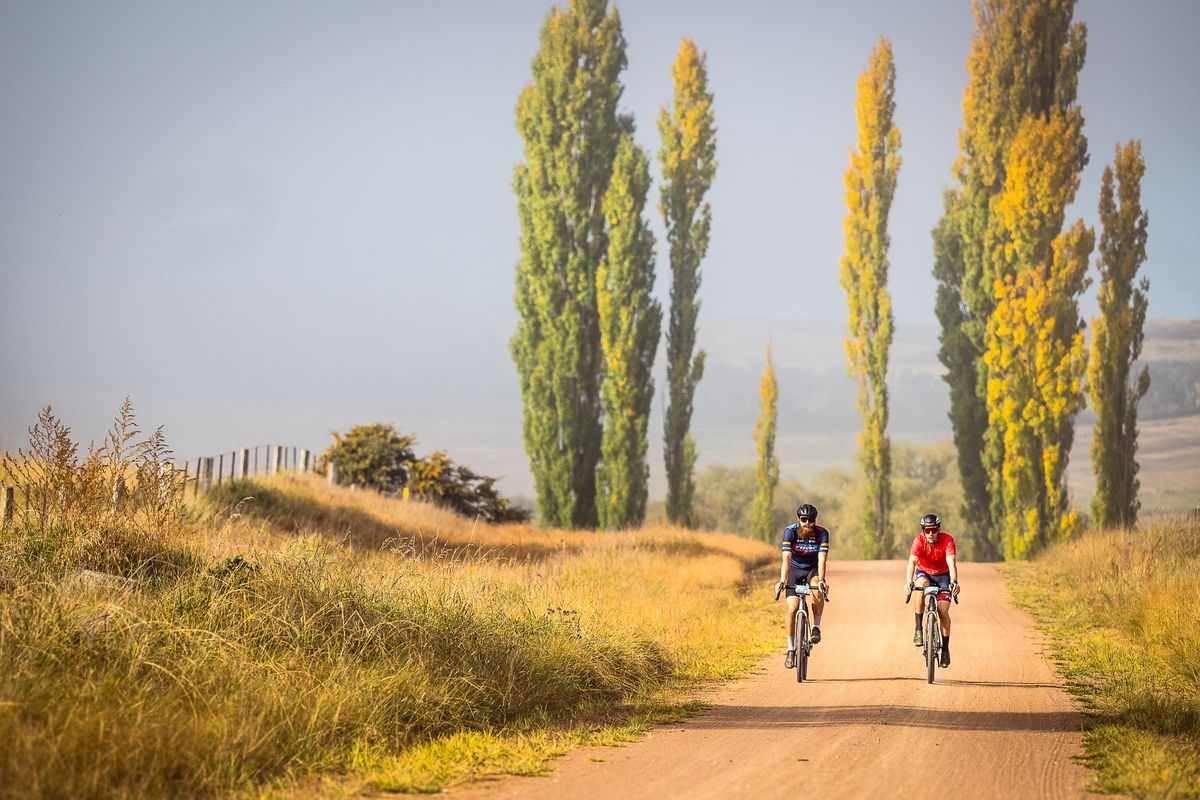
(931, 562)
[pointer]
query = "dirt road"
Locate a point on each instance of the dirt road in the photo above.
(866, 725)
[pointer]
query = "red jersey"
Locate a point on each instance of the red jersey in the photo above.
(931, 558)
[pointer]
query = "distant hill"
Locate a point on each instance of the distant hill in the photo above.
(817, 415)
(818, 419)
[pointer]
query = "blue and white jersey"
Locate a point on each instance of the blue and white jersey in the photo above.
(804, 549)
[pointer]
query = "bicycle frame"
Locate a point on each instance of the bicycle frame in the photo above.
(931, 626)
(801, 630)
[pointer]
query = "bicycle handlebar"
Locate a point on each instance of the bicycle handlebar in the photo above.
(953, 590)
(824, 590)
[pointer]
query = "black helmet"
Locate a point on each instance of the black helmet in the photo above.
(931, 521)
(807, 510)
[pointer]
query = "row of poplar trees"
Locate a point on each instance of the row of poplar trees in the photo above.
(589, 327)
(1010, 274)
(1009, 280)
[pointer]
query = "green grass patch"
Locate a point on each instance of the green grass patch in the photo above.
(1120, 610)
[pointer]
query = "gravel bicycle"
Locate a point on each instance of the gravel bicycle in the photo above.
(802, 629)
(931, 624)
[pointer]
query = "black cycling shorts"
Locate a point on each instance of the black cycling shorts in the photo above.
(802, 575)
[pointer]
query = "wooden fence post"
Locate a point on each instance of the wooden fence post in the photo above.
(220, 468)
(6, 507)
(196, 488)
(243, 463)
(206, 474)
(303, 464)
(118, 494)
(331, 472)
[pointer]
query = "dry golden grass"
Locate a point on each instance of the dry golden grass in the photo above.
(289, 630)
(1121, 608)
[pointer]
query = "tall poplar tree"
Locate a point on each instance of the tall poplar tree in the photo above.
(688, 167)
(567, 117)
(1035, 361)
(630, 322)
(767, 470)
(870, 185)
(1024, 62)
(1117, 340)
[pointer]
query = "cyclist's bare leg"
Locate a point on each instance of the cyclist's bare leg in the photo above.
(793, 609)
(818, 603)
(920, 582)
(943, 607)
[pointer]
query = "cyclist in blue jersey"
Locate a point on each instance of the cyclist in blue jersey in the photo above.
(805, 550)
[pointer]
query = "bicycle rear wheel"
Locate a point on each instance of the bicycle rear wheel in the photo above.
(932, 639)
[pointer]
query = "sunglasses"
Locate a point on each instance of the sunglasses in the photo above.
(806, 519)
(929, 530)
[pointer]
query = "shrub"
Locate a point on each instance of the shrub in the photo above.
(378, 457)
(375, 456)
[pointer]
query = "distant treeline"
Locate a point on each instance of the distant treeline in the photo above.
(1174, 390)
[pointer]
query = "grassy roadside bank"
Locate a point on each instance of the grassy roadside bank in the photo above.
(1120, 609)
(315, 633)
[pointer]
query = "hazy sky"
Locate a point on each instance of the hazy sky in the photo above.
(269, 220)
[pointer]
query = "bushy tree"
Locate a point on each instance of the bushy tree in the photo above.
(438, 480)
(378, 457)
(925, 480)
(373, 456)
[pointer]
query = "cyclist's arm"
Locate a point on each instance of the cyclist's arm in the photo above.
(911, 570)
(821, 559)
(952, 563)
(783, 569)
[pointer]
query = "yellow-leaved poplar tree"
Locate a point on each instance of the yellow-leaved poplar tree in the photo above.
(1024, 61)
(688, 158)
(1034, 359)
(767, 469)
(870, 185)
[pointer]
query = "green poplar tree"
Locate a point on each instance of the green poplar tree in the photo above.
(870, 185)
(1117, 341)
(630, 322)
(1024, 61)
(688, 167)
(767, 470)
(567, 117)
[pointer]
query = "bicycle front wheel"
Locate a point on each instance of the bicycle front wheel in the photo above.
(932, 636)
(801, 646)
